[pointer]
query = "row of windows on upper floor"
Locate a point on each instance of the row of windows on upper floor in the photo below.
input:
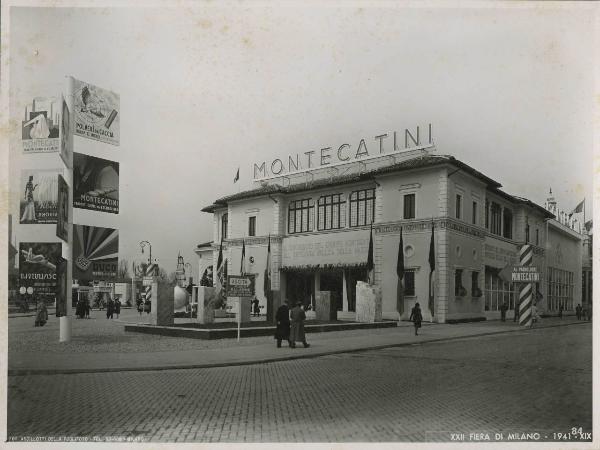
(331, 214)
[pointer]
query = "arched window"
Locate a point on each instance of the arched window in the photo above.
(224, 220)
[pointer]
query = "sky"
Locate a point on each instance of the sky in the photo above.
(207, 88)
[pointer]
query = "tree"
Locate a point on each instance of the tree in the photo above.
(207, 277)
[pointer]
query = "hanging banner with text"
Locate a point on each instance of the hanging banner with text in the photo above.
(96, 113)
(525, 274)
(95, 183)
(40, 127)
(37, 267)
(95, 253)
(39, 196)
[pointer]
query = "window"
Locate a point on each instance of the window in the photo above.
(507, 232)
(300, 216)
(560, 289)
(409, 283)
(459, 290)
(537, 236)
(487, 215)
(409, 206)
(224, 221)
(496, 219)
(474, 215)
(458, 205)
(362, 207)
(252, 226)
(475, 291)
(331, 212)
(498, 291)
(527, 233)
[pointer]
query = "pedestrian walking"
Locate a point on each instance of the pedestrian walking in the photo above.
(42, 314)
(110, 308)
(117, 307)
(578, 312)
(560, 310)
(516, 316)
(298, 316)
(282, 316)
(416, 317)
(87, 308)
(140, 306)
(255, 308)
(503, 310)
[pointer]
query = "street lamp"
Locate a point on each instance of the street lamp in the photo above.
(142, 245)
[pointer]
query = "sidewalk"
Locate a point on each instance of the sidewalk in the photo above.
(321, 344)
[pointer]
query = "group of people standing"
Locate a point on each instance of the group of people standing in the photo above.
(113, 307)
(583, 313)
(290, 325)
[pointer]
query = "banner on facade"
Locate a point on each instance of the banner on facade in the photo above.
(62, 216)
(96, 113)
(95, 183)
(39, 196)
(61, 287)
(95, 253)
(37, 267)
(40, 127)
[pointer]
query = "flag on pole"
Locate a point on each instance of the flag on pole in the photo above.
(431, 269)
(400, 273)
(370, 264)
(267, 283)
(243, 263)
(219, 277)
(237, 176)
(579, 207)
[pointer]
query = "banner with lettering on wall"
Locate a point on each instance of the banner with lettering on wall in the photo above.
(62, 216)
(37, 267)
(39, 196)
(40, 127)
(95, 253)
(95, 183)
(96, 112)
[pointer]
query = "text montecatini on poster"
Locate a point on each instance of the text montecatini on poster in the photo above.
(95, 183)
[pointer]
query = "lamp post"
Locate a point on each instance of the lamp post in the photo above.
(142, 245)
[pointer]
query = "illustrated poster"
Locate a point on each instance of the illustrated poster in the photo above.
(95, 183)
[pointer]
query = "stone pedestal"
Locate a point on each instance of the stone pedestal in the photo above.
(368, 302)
(206, 299)
(161, 310)
(326, 310)
(243, 309)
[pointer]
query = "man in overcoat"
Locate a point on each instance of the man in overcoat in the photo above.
(282, 316)
(298, 317)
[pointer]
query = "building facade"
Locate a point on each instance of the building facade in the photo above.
(319, 223)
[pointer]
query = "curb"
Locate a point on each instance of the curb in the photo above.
(21, 372)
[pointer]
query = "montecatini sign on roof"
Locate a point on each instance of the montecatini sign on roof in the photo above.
(383, 144)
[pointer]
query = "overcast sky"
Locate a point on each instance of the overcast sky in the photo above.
(207, 89)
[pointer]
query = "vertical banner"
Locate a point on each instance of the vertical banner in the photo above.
(66, 140)
(95, 253)
(40, 127)
(62, 219)
(37, 267)
(95, 183)
(39, 196)
(96, 113)
(61, 287)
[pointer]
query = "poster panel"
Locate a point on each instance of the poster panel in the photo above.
(66, 141)
(95, 183)
(40, 127)
(39, 196)
(96, 113)
(37, 267)
(95, 253)
(62, 219)
(61, 287)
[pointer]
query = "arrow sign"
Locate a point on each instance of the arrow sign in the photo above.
(240, 285)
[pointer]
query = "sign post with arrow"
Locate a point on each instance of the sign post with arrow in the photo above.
(242, 287)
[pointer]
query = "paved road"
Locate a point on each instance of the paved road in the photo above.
(537, 381)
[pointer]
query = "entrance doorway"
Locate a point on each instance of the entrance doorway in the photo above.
(332, 281)
(300, 288)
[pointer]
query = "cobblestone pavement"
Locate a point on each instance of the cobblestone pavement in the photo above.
(509, 383)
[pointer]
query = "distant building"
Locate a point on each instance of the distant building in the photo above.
(587, 285)
(319, 223)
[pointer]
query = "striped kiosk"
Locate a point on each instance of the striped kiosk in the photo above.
(151, 272)
(526, 290)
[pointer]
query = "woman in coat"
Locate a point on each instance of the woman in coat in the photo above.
(117, 307)
(416, 317)
(42, 314)
(298, 317)
(282, 316)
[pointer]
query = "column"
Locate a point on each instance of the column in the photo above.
(344, 292)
